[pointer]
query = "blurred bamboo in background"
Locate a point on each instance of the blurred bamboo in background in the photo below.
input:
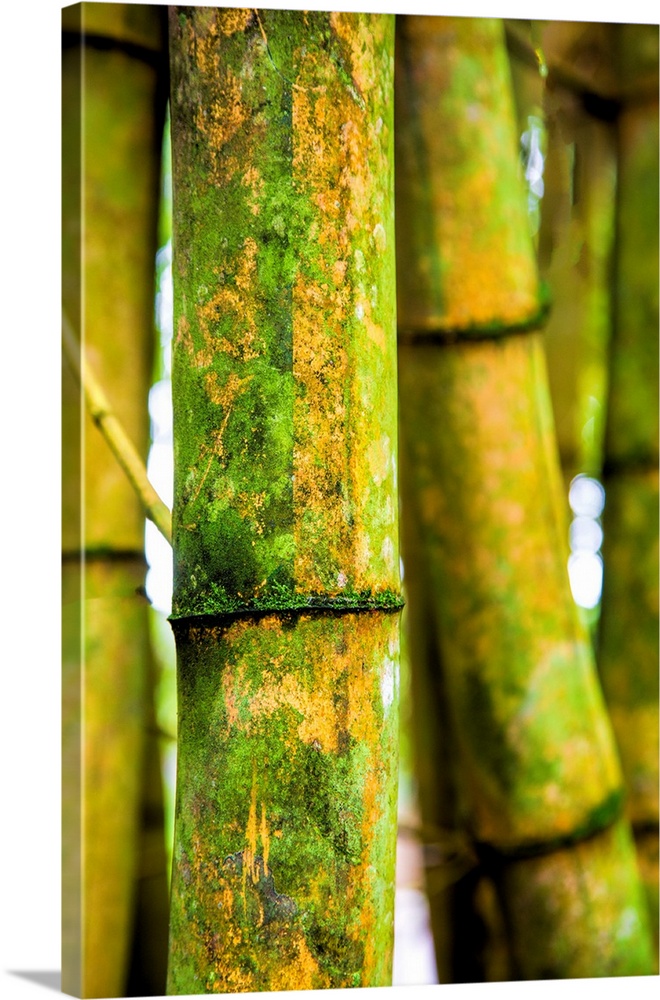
(532, 770)
(113, 856)
(628, 638)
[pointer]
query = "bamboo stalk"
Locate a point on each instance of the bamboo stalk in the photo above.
(285, 515)
(628, 640)
(575, 238)
(110, 184)
(532, 747)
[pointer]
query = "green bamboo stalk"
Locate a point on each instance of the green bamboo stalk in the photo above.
(628, 640)
(575, 240)
(532, 744)
(468, 937)
(110, 185)
(285, 511)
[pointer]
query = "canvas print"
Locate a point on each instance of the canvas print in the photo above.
(360, 499)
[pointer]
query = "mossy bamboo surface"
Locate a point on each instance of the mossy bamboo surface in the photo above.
(628, 641)
(285, 511)
(533, 748)
(110, 185)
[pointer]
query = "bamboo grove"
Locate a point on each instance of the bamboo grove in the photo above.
(377, 331)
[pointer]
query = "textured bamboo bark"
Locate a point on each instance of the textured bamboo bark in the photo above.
(628, 641)
(285, 514)
(110, 189)
(537, 770)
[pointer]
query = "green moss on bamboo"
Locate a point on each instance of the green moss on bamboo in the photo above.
(284, 800)
(285, 519)
(218, 603)
(246, 522)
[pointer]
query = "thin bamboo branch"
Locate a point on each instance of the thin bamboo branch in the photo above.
(112, 430)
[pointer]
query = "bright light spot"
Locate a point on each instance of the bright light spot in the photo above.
(585, 571)
(585, 566)
(164, 305)
(628, 924)
(160, 573)
(532, 141)
(586, 534)
(534, 168)
(160, 411)
(160, 464)
(586, 496)
(414, 956)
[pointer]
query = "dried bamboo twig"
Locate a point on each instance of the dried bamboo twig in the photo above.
(112, 430)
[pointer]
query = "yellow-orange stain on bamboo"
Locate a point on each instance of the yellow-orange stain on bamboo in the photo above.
(359, 35)
(220, 119)
(476, 290)
(251, 832)
(265, 838)
(343, 695)
(232, 20)
(234, 300)
(330, 165)
(253, 180)
(227, 947)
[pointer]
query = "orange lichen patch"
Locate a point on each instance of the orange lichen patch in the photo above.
(303, 972)
(251, 830)
(316, 706)
(249, 506)
(330, 165)
(224, 395)
(202, 37)
(232, 300)
(253, 180)
(355, 177)
(219, 121)
(232, 20)
(265, 838)
(357, 34)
